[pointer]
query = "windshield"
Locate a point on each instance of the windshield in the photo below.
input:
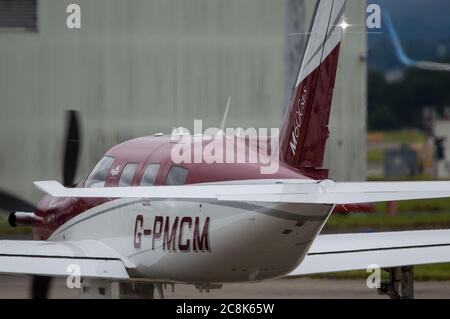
(99, 174)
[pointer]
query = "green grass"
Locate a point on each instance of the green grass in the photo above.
(6, 230)
(419, 178)
(440, 272)
(383, 221)
(375, 155)
(427, 208)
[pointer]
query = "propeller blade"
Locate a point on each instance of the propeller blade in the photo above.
(40, 287)
(12, 203)
(71, 148)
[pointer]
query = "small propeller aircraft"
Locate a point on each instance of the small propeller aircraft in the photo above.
(143, 221)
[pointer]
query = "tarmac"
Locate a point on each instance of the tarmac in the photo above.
(18, 287)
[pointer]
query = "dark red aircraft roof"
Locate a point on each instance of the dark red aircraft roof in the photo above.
(157, 150)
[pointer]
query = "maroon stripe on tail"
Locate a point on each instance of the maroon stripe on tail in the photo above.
(305, 129)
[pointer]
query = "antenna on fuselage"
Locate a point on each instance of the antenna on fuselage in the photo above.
(225, 117)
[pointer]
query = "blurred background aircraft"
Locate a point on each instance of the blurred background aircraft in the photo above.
(406, 60)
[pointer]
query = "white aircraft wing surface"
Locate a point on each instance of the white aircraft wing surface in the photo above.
(53, 259)
(343, 252)
(283, 191)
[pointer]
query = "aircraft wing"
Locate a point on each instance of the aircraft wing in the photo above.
(431, 66)
(343, 252)
(282, 191)
(47, 258)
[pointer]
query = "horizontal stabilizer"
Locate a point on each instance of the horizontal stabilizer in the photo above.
(344, 252)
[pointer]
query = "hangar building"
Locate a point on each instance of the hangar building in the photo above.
(144, 66)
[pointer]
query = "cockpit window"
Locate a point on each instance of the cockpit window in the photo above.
(149, 177)
(99, 174)
(126, 178)
(177, 176)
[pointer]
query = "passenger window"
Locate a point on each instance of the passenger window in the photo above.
(177, 176)
(126, 178)
(98, 175)
(149, 177)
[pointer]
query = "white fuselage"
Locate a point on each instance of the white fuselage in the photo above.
(201, 242)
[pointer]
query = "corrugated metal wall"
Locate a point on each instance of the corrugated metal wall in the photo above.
(135, 68)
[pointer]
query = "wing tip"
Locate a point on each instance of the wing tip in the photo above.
(52, 188)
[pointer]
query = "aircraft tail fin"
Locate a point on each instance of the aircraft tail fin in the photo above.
(404, 59)
(305, 129)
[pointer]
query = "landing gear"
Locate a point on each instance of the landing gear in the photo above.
(130, 290)
(95, 289)
(400, 284)
(102, 289)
